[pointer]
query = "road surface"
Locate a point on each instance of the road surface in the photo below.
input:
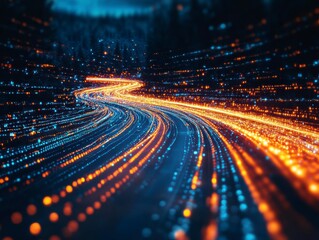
(127, 166)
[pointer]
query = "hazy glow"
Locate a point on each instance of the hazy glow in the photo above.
(100, 8)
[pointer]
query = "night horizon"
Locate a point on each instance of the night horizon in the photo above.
(176, 119)
(100, 8)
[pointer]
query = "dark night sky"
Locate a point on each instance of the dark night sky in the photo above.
(103, 7)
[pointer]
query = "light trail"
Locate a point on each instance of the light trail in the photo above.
(163, 169)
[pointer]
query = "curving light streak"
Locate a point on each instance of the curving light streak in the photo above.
(214, 172)
(291, 147)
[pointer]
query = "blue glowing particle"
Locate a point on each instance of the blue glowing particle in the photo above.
(162, 203)
(222, 26)
(243, 207)
(249, 236)
(146, 232)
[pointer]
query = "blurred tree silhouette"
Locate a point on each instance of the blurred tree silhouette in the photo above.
(39, 8)
(118, 59)
(239, 13)
(197, 33)
(280, 11)
(174, 30)
(27, 23)
(190, 29)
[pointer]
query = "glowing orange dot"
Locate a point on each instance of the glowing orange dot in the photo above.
(73, 226)
(55, 198)
(47, 201)
(97, 205)
(263, 207)
(273, 227)
(69, 189)
(62, 193)
(16, 218)
(54, 217)
(81, 217)
(187, 213)
(67, 210)
(35, 228)
(214, 180)
(54, 237)
(314, 188)
(31, 209)
(89, 210)
(7, 238)
(180, 235)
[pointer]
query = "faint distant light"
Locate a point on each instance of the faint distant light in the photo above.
(222, 26)
(180, 235)
(31, 209)
(146, 232)
(180, 7)
(72, 226)
(16, 218)
(81, 217)
(267, 2)
(96, 8)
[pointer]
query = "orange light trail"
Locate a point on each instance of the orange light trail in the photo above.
(206, 164)
(292, 147)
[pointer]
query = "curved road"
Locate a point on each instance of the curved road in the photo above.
(126, 166)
